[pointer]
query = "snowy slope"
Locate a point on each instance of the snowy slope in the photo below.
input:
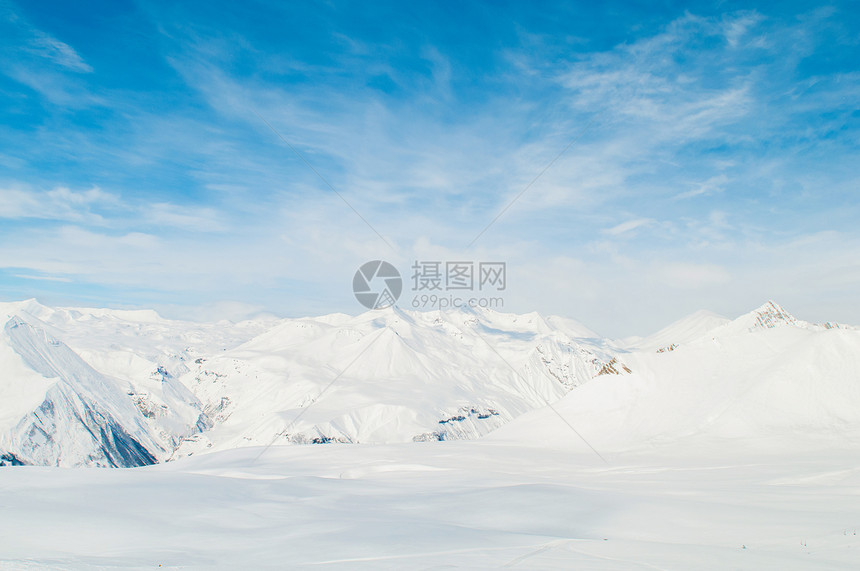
(444, 505)
(389, 376)
(133, 345)
(141, 353)
(771, 316)
(682, 331)
(384, 376)
(705, 323)
(84, 417)
(763, 376)
(111, 398)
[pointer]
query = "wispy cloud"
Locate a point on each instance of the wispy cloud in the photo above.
(740, 27)
(718, 139)
(57, 52)
(43, 278)
(59, 203)
(712, 185)
(41, 61)
(628, 226)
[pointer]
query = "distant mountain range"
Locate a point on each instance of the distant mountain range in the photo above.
(98, 387)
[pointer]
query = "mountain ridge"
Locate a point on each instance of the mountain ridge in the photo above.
(178, 388)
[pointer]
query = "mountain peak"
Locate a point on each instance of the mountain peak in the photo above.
(684, 330)
(29, 306)
(771, 315)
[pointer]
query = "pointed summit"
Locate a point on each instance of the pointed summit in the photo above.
(771, 315)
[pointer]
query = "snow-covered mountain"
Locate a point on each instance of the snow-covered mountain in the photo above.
(389, 376)
(162, 388)
(84, 417)
(682, 331)
(98, 387)
(127, 388)
(763, 377)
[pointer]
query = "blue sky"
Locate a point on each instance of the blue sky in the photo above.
(714, 162)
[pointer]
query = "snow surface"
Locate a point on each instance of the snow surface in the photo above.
(712, 444)
(461, 505)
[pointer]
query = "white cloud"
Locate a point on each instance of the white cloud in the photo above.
(43, 278)
(189, 218)
(628, 226)
(737, 27)
(54, 87)
(43, 62)
(58, 52)
(60, 203)
(644, 83)
(95, 207)
(713, 185)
